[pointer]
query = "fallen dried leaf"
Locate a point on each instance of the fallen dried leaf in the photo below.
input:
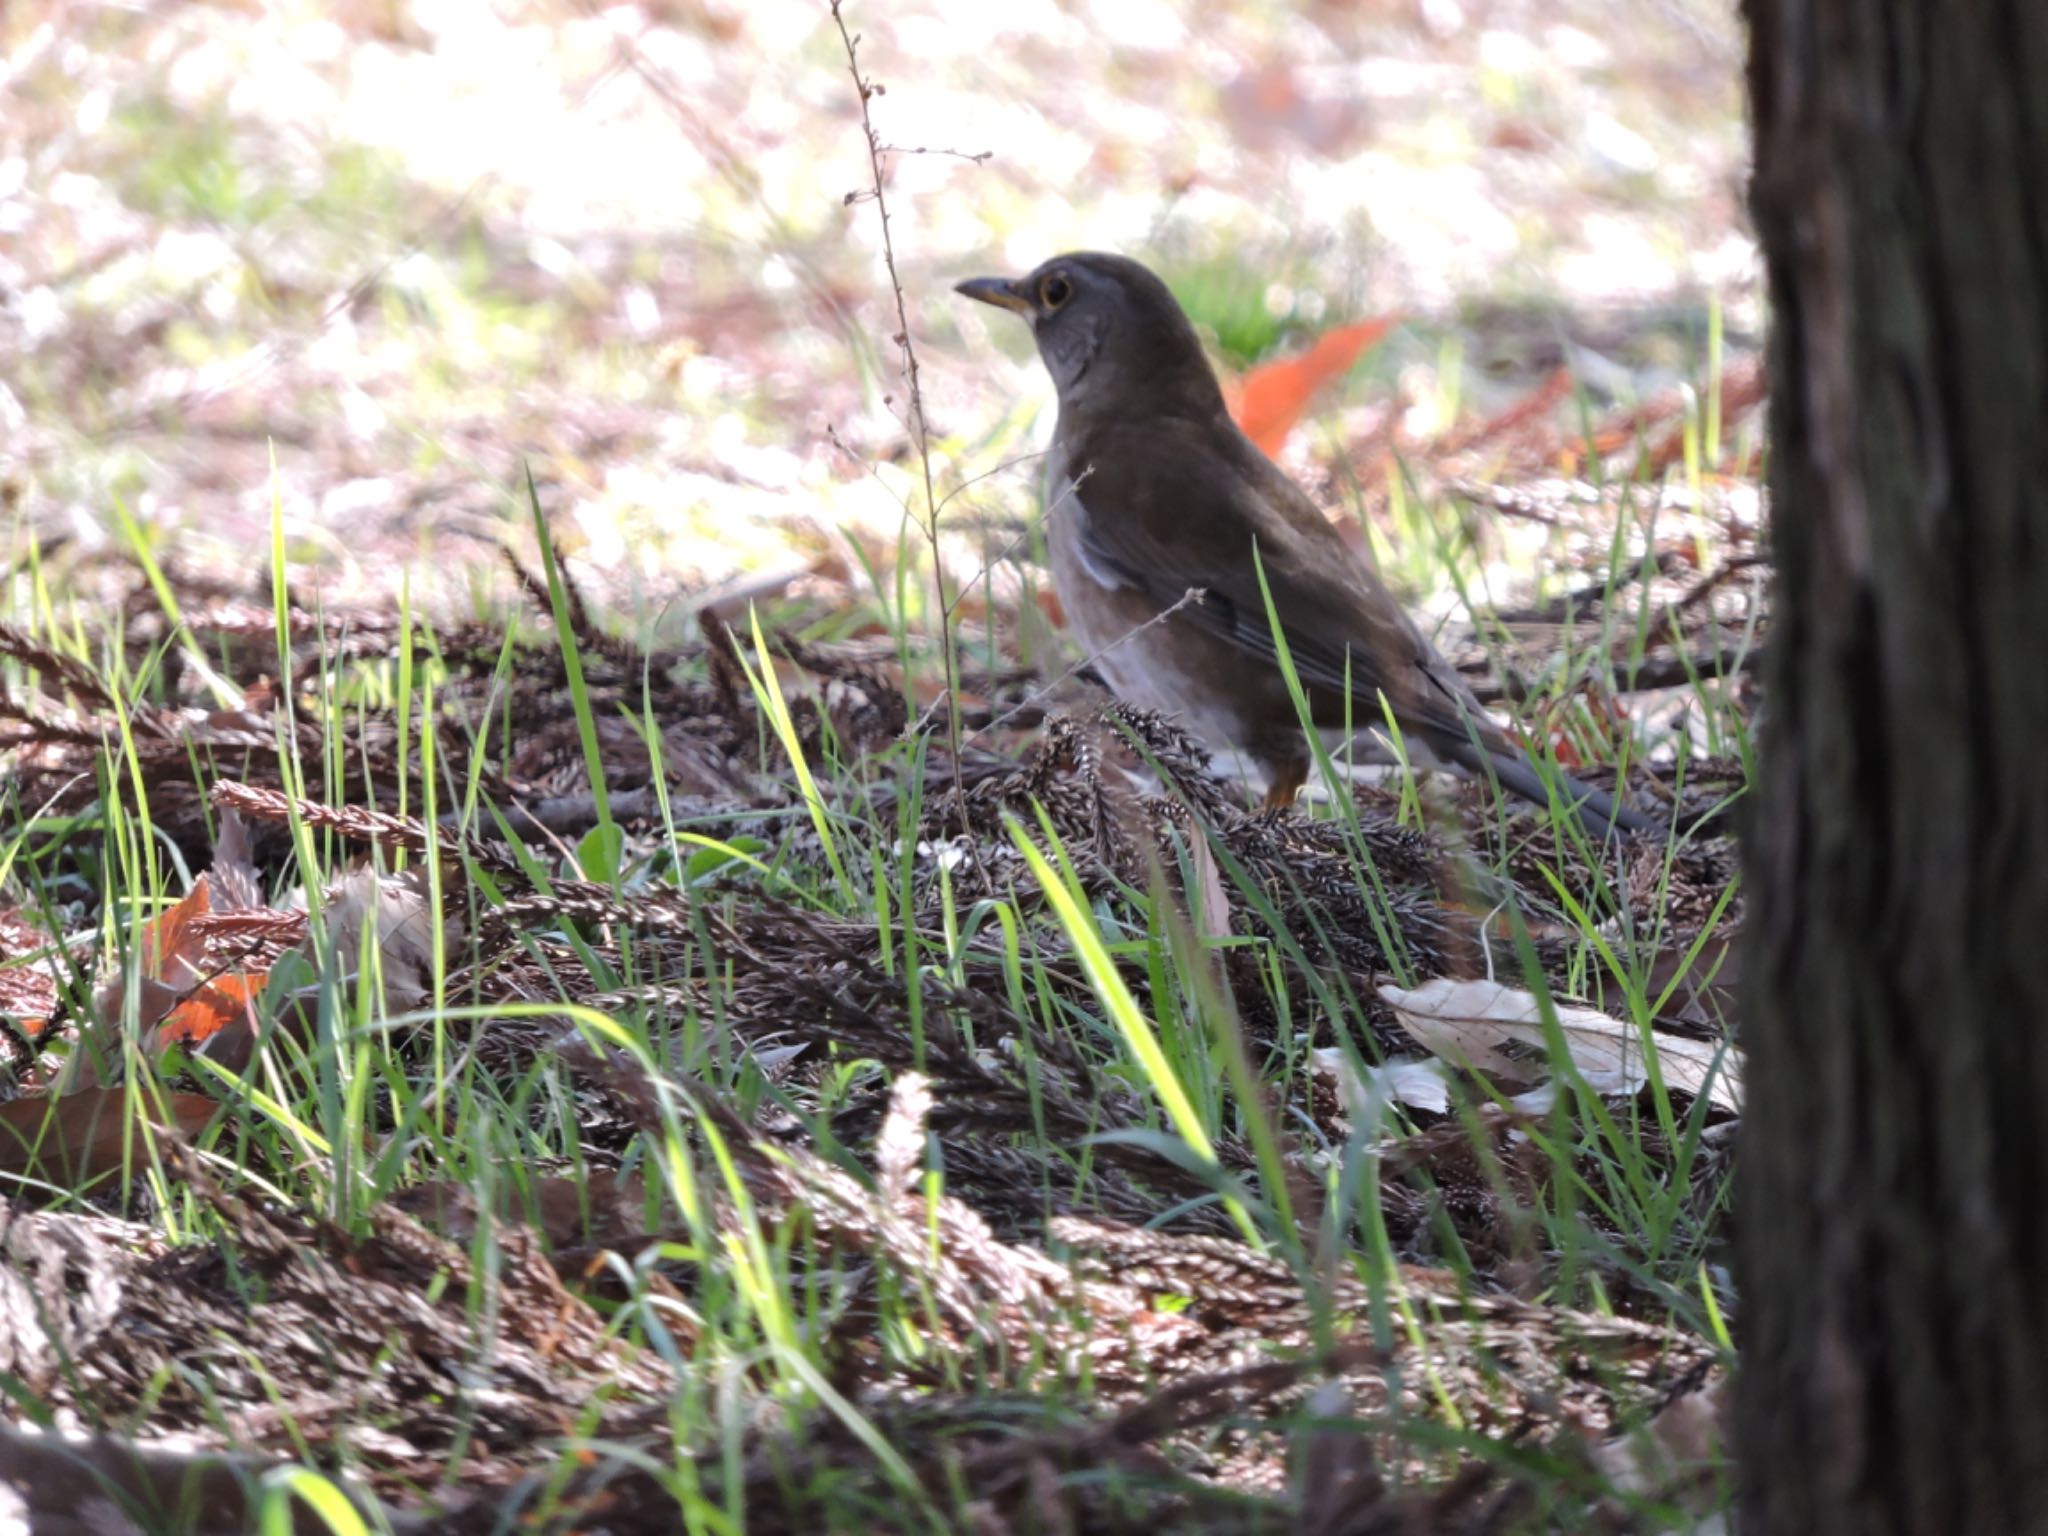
(1272, 397)
(1417, 1084)
(186, 995)
(1675, 1456)
(28, 977)
(72, 1140)
(1498, 1030)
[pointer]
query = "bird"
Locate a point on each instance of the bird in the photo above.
(1162, 518)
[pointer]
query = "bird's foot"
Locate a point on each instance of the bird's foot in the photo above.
(1283, 783)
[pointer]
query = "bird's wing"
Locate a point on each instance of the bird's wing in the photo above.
(1167, 506)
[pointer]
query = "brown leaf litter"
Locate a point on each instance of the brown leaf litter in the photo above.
(1186, 1360)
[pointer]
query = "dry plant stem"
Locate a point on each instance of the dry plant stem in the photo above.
(974, 157)
(915, 418)
(1676, 671)
(1017, 543)
(1192, 595)
(1002, 554)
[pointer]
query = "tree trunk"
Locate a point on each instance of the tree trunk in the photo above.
(1893, 1193)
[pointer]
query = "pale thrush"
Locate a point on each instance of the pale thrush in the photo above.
(1154, 493)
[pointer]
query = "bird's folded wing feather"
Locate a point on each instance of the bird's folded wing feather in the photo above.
(1174, 505)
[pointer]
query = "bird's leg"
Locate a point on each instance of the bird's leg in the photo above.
(1284, 781)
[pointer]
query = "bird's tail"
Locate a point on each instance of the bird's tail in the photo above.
(1596, 808)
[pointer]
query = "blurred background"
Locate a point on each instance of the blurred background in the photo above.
(408, 251)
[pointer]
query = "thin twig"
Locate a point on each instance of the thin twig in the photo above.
(972, 157)
(832, 436)
(1714, 580)
(1677, 671)
(920, 430)
(1192, 595)
(972, 481)
(1015, 544)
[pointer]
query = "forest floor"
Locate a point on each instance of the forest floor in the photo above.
(529, 999)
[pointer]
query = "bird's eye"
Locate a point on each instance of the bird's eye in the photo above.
(1055, 291)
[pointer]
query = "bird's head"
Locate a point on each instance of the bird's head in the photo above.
(1111, 335)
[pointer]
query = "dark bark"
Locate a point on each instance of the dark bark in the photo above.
(1892, 1255)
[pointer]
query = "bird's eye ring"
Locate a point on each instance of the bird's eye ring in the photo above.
(1055, 291)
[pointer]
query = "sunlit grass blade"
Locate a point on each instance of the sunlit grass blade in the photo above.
(768, 694)
(1071, 908)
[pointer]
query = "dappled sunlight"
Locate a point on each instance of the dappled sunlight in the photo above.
(413, 250)
(632, 897)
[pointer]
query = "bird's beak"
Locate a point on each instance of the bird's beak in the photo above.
(999, 291)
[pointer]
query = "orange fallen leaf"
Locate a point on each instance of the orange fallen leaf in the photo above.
(72, 1140)
(28, 975)
(1272, 397)
(167, 938)
(210, 1008)
(205, 997)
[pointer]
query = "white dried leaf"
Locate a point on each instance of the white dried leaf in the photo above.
(1419, 1083)
(1536, 1103)
(1498, 1030)
(394, 911)
(1668, 1459)
(771, 1059)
